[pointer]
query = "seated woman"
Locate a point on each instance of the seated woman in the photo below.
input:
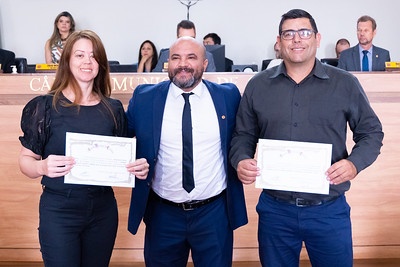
(64, 25)
(148, 57)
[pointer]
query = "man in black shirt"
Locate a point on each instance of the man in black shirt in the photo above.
(304, 100)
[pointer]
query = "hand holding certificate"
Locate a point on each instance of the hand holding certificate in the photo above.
(100, 160)
(293, 166)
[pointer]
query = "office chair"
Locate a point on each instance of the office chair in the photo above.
(123, 68)
(113, 62)
(330, 61)
(265, 63)
(245, 68)
(22, 64)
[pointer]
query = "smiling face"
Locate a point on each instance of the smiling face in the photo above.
(186, 63)
(84, 66)
(298, 50)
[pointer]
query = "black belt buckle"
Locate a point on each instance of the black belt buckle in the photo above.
(301, 202)
(187, 206)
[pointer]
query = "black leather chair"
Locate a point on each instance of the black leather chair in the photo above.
(7, 59)
(113, 62)
(330, 61)
(123, 68)
(22, 64)
(228, 64)
(265, 63)
(245, 68)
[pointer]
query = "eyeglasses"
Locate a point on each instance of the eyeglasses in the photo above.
(303, 34)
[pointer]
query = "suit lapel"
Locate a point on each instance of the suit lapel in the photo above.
(159, 100)
(220, 107)
(374, 58)
(356, 58)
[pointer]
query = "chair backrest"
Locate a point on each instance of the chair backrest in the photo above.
(245, 68)
(265, 63)
(228, 64)
(22, 64)
(7, 59)
(123, 68)
(113, 62)
(330, 61)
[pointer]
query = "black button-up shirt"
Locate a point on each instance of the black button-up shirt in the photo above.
(318, 109)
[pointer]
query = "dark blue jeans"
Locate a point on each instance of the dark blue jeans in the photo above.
(325, 230)
(172, 232)
(78, 226)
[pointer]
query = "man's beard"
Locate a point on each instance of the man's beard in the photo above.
(184, 83)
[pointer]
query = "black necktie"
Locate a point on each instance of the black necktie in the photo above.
(365, 65)
(187, 142)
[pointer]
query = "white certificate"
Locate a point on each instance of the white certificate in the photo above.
(293, 166)
(100, 160)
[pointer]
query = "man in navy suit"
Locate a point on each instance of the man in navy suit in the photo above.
(177, 221)
(352, 58)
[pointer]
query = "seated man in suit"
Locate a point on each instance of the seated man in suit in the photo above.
(214, 39)
(341, 45)
(184, 28)
(7, 58)
(364, 56)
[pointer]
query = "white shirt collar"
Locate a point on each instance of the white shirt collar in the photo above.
(198, 90)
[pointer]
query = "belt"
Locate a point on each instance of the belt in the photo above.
(301, 202)
(92, 191)
(189, 205)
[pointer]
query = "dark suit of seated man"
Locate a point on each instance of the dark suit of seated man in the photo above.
(352, 59)
(7, 58)
(184, 28)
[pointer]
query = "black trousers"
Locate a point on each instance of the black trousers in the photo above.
(78, 226)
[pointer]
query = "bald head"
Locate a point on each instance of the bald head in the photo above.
(188, 43)
(187, 62)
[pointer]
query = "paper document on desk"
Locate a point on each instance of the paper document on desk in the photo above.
(100, 160)
(293, 166)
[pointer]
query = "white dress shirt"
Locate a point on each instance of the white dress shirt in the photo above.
(209, 173)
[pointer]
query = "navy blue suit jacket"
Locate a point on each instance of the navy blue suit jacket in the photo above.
(145, 116)
(350, 59)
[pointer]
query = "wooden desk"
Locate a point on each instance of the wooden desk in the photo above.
(374, 195)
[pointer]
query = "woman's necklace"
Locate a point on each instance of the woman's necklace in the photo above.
(64, 39)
